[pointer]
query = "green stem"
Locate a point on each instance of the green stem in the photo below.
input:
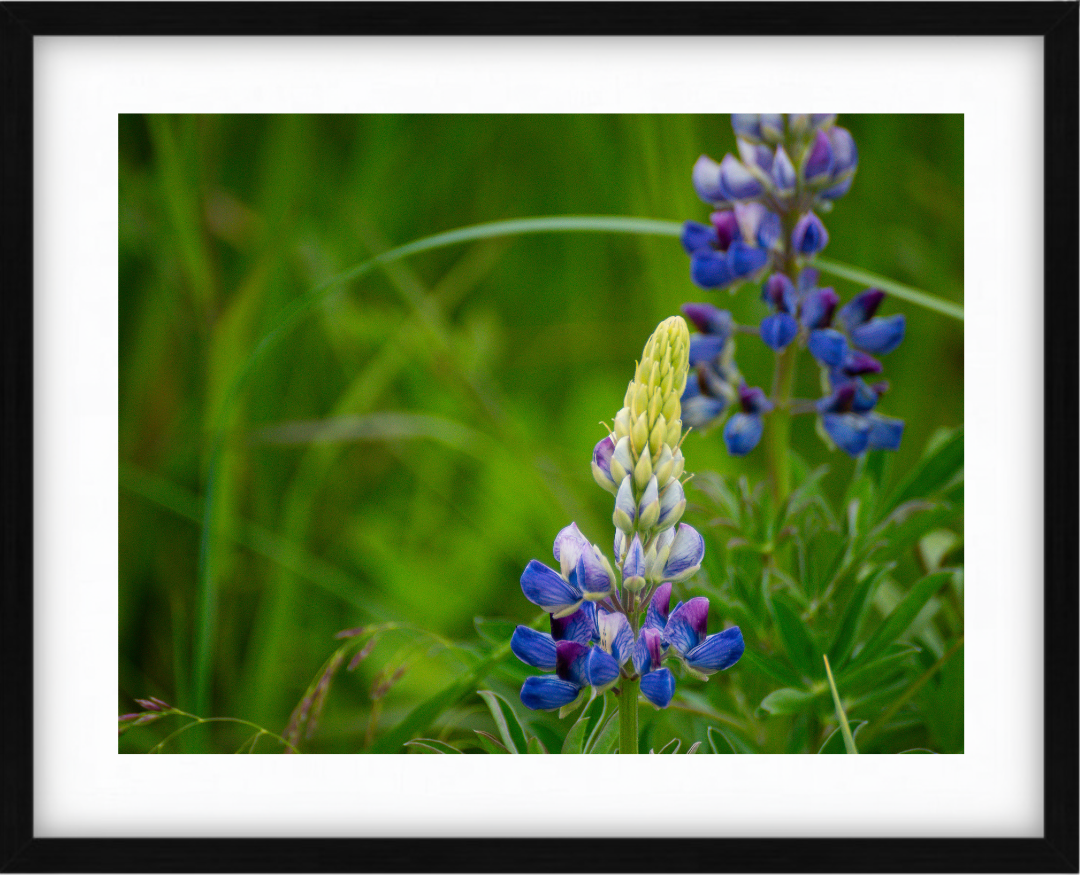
(778, 431)
(628, 731)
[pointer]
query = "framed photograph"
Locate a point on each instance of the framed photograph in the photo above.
(417, 380)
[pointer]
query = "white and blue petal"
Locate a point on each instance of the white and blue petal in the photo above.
(672, 504)
(625, 508)
(771, 125)
(658, 687)
(706, 180)
(746, 125)
(616, 636)
(687, 551)
(548, 693)
(845, 155)
(819, 160)
(592, 575)
(783, 172)
(548, 590)
(633, 568)
(568, 546)
(533, 648)
(736, 182)
(717, 652)
(686, 627)
(601, 464)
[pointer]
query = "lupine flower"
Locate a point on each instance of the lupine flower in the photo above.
(576, 666)
(586, 574)
(734, 248)
(848, 420)
(538, 648)
(877, 336)
(712, 385)
(686, 635)
(743, 430)
(780, 328)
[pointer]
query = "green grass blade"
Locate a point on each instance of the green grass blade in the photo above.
(905, 293)
(849, 741)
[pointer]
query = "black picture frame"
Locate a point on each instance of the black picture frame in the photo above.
(1056, 851)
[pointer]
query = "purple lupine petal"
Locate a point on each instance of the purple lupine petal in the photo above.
(779, 293)
(808, 280)
(547, 589)
(778, 330)
(809, 236)
(580, 626)
(849, 431)
(548, 693)
(600, 666)
(717, 652)
(709, 319)
(880, 336)
(710, 270)
(783, 172)
(743, 432)
(885, 432)
(686, 627)
(818, 308)
(865, 398)
(648, 651)
(845, 155)
(839, 400)
(706, 180)
(860, 309)
(705, 347)
(769, 230)
(819, 161)
(616, 636)
(591, 573)
(857, 363)
(744, 260)
(658, 687)
(727, 228)
(687, 551)
(696, 236)
(634, 564)
(602, 453)
(736, 182)
(754, 400)
(837, 191)
(828, 346)
(746, 125)
(656, 616)
(771, 125)
(533, 648)
(568, 546)
(570, 661)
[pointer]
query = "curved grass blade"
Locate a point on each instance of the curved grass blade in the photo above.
(905, 293)
(849, 741)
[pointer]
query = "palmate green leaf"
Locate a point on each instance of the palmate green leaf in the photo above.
(932, 473)
(796, 639)
(786, 701)
(835, 742)
(510, 729)
(897, 623)
(718, 741)
(607, 738)
(575, 738)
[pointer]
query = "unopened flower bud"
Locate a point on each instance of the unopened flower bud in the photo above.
(643, 471)
(625, 509)
(649, 508)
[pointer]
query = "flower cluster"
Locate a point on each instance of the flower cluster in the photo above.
(598, 635)
(765, 229)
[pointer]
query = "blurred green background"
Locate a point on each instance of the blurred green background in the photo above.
(466, 384)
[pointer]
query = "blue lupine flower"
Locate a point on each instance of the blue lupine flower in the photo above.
(711, 386)
(586, 574)
(780, 328)
(876, 335)
(847, 417)
(819, 160)
(576, 666)
(743, 431)
(735, 247)
(686, 635)
(677, 556)
(809, 236)
(538, 648)
(845, 161)
(657, 682)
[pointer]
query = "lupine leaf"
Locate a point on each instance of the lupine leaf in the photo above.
(598, 712)
(786, 701)
(919, 750)
(850, 622)
(774, 668)
(903, 535)
(490, 743)
(932, 473)
(718, 741)
(575, 738)
(693, 748)
(897, 623)
(845, 729)
(535, 746)
(608, 737)
(877, 671)
(671, 747)
(510, 728)
(431, 745)
(796, 639)
(835, 742)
